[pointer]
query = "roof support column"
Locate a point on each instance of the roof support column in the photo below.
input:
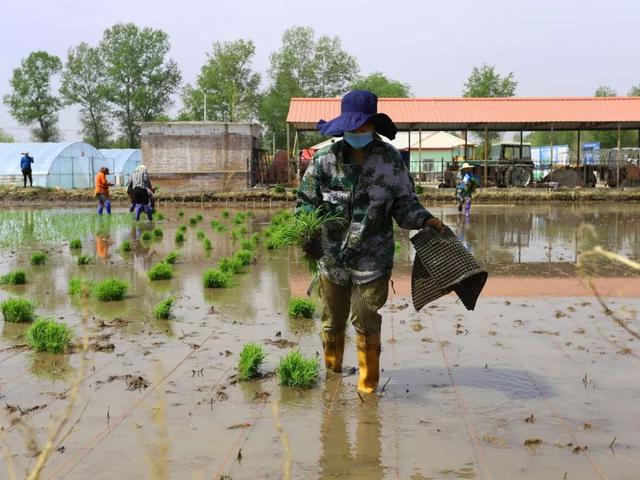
(551, 142)
(520, 154)
(486, 156)
(464, 156)
(578, 152)
(420, 167)
(618, 159)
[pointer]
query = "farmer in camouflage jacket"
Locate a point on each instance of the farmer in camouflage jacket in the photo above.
(363, 180)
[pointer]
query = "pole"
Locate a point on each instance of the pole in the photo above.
(205, 106)
(578, 153)
(618, 160)
(420, 166)
(464, 156)
(486, 155)
(551, 142)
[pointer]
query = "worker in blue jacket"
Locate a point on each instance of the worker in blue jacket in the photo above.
(25, 166)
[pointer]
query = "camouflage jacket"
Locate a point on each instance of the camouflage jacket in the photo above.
(360, 249)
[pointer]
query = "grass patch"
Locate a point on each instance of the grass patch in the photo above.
(47, 335)
(147, 236)
(301, 308)
(419, 189)
(251, 357)
(125, 246)
(109, 289)
(160, 271)
(296, 370)
(229, 265)
(17, 310)
(75, 244)
(171, 258)
(158, 233)
(179, 238)
(78, 286)
(14, 277)
(244, 256)
(162, 310)
(84, 259)
(206, 243)
(38, 258)
(216, 278)
(200, 235)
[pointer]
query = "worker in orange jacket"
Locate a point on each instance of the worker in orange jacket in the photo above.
(102, 190)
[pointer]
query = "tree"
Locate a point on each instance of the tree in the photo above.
(605, 91)
(485, 82)
(303, 67)
(140, 78)
(32, 100)
(382, 86)
(635, 91)
(84, 83)
(6, 137)
(230, 84)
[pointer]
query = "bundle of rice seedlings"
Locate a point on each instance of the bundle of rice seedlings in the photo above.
(109, 289)
(147, 236)
(225, 214)
(162, 311)
(301, 308)
(179, 238)
(248, 244)
(200, 234)
(47, 335)
(78, 286)
(84, 259)
(14, 277)
(251, 357)
(244, 256)
(235, 235)
(158, 233)
(193, 221)
(180, 213)
(218, 227)
(229, 265)
(206, 243)
(182, 228)
(159, 216)
(160, 271)
(199, 217)
(296, 370)
(171, 258)
(38, 258)
(216, 278)
(17, 310)
(75, 244)
(125, 246)
(239, 218)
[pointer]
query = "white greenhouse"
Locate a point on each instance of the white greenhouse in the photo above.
(62, 165)
(121, 163)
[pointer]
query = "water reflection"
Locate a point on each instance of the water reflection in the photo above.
(53, 367)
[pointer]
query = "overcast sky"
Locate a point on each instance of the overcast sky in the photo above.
(554, 47)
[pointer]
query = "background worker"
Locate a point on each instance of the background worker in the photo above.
(25, 166)
(469, 182)
(102, 190)
(365, 181)
(142, 192)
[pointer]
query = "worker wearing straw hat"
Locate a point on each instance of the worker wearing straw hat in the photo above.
(469, 182)
(362, 179)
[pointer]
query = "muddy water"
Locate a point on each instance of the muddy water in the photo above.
(460, 384)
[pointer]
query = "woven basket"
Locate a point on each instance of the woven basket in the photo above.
(442, 264)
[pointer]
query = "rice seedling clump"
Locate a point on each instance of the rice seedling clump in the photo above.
(158, 233)
(84, 259)
(17, 310)
(47, 335)
(75, 244)
(215, 278)
(109, 290)
(251, 357)
(180, 213)
(225, 214)
(229, 265)
(193, 221)
(159, 216)
(160, 271)
(179, 238)
(296, 370)
(206, 243)
(147, 236)
(244, 256)
(126, 246)
(200, 234)
(248, 244)
(78, 286)
(239, 218)
(171, 258)
(301, 307)
(15, 277)
(217, 226)
(38, 258)
(182, 228)
(199, 217)
(162, 311)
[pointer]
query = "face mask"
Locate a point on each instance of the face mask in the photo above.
(358, 140)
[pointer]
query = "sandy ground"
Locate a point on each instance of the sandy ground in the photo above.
(536, 383)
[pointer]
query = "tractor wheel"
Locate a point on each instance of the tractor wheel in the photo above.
(518, 176)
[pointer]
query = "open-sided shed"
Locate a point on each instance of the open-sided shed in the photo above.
(63, 165)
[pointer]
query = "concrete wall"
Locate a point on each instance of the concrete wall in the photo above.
(193, 156)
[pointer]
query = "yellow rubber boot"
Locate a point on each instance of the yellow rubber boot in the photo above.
(333, 345)
(369, 361)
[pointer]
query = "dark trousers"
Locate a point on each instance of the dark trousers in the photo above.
(26, 173)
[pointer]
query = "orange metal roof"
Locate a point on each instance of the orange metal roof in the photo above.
(514, 113)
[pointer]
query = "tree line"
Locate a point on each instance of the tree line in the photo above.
(128, 78)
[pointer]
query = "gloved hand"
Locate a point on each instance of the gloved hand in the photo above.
(436, 223)
(312, 248)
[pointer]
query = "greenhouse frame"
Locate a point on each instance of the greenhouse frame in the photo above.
(56, 165)
(121, 163)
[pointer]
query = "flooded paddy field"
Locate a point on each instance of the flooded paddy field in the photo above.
(538, 382)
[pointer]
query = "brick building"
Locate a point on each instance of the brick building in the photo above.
(199, 156)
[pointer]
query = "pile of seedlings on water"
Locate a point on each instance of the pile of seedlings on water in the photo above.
(216, 278)
(248, 244)
(180, 213)
(206, 244)
(301, 307)
(79, 286)
(162, 310)
(225, 214)
(158, 216)
(251, 357)
(147, 236)
(240, 218)
(14, 277)
(17, 310)
(171, 258)
(200, 234)
(199, 217)
(38, 258)
(245, 257)
(109, 289)
(193, 221)
(75, 244)
(179, 238)
(218, 226)
(125, 246)
(229, 265)
(158, 233)
(84, 259)
(160, 271)
(296, 370)
(47, 335)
